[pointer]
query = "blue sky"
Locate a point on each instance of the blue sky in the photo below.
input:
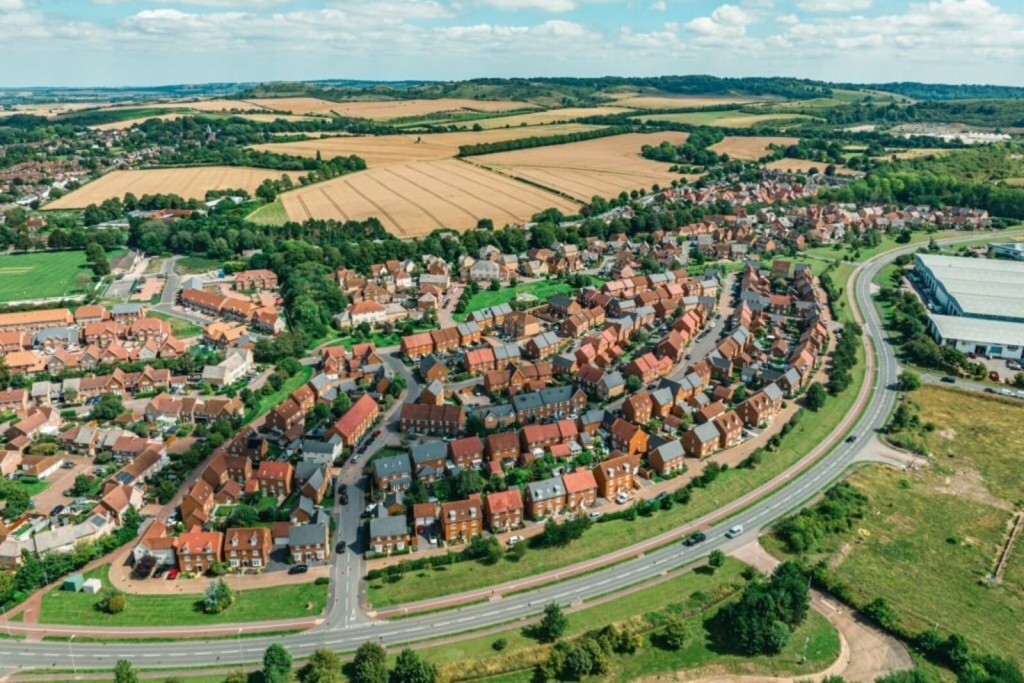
(149, 42)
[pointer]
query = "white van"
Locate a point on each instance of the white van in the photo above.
(735, 531)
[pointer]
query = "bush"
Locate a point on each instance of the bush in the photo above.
(499, 645)
(322, 581)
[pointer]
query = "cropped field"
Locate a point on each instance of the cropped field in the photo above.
(540, 118)
(635, 101)
(804, 165)
(48, 109)
(416, 198)
(190, 183)
(725, 119)
(391, 109)
(399, 149)
(604, 166)
(265, 118)
(42, 275)
(750, 148)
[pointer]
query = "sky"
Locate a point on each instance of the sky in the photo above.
(154, 42)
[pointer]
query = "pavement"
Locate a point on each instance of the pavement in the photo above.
(820, 468)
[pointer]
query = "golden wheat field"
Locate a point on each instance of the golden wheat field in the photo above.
(804, 165)
(265, 118)
(389, 109)
(605, 166)
(190, 183)
(415, 198)
(750, 148)
(398, 149)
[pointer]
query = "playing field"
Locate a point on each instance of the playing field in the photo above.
(604, 166)
(190, 183)
(42, 275)
(750, 148)
(805, 165)
(724, 119)
(540, 118)
(415, 198)
(399, 149)
(390, 109)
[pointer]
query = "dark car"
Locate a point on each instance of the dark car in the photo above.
(298, 569)
(949, 379)
(340, 548)
(343, 489)
(851, 438)
(695, 538)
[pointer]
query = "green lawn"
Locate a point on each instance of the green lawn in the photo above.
(931, 536)
(179, 328)
(268, 401)
(35, 488)
(44, 274)
(187, 265)
(543, 290)
(269, 214)
(263, 604)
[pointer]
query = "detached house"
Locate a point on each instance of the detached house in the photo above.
(462, 519)
(504, 510)
(198, 550)
(246, 548)
(616, 475)
(545, 498)
(275, 479)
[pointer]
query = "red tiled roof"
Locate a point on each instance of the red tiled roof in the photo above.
(360, 410)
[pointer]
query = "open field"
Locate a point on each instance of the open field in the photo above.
(543, 290)
(635, 101)
(207, 106)
(540, 118)
(269, 214)
(190, 183)
(265, 118)
(414, 199)
(390, 109)
(915, 153)
(931, 536)
(604, 166)
(805, 165)
(43, 274)
(750, 148)
(725, 119)
(400, 149)
(178, 609)
(48, 109)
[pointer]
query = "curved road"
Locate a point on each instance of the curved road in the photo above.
(343, 635)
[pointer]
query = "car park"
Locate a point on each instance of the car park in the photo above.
(694, 538)
(298, 569)
(734, 531)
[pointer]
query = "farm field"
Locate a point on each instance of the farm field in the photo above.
(634, 101)
(540, 118)
(805, 165)
(42, 275)
(416, 198)
(206, 106)
(389, 109)
(190, 183)
(724, 119)
(265, 118)
(399, 149)
(581, 170)
(750, 148)
(930, 536)
(48, 109)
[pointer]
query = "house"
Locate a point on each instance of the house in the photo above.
(611, 385)
(275, 479)
(237, 363)
(369, 312)
(580, 489)
(467, 452)
(247, 548)
(390, 534)
(197, 550)
(504, 510)
(761, 407)
(548, 403)
(356, 421)
(616, 475)
(462, 519)
(502, 446)
(667, 458)
(197, 504)
(313, 480)
(431, 419)
(730, 426)
(545, 498)
(310, 542)
(284, 416)
(637, 408)
(432, 369)
(432, 394)
(628, 437)
(157, 544)
(702, 440)
(255, 279)
(417, 345)
(392, 473)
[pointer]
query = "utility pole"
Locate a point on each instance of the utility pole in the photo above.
(71, 652)
(803, 655)
(238, 638)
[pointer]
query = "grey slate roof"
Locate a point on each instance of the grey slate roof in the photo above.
(773, 391)
(546, 489)
(391, 466)
(706, 432)
(432, 450)
(307, 534)
(388, 527)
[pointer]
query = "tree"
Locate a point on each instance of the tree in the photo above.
(815, 397)
(324, 666)
(675, 634)
(634, 384)
(108, 407)
(277, 664)
(243, 516)
(553, 624)
(218, 597)
(370, 664)
(112, 601)
(82, 485)
(716, 559)
(411, 668)
(124, 672)
(909, 381)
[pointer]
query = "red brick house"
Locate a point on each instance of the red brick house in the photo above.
(617, 474)
(504, 510)
(580, 489)
(198, 550)
(275, 478)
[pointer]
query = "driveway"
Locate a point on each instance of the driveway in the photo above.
(59, 481)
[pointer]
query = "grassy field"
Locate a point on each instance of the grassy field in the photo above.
(931, 536)
(543, 290)
(268, 401)
(43, 275)
(730, 118)
(35, 488)
(281, 602)
(269, 214)
(179, 328)
(188, 265)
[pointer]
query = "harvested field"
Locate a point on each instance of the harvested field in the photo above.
(190, 183)
(399, 149)
(205, 106)
(416, 198)
(391, 109)
(635, 101)
(805, 165)
(750, 148)
(605, 166)
(267, 118)
(540, 118)
(48, 109)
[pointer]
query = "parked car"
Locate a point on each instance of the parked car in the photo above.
(851, 438)
(694, 538)
(512, 540)
(340, 548)
(160, 571)
(68, 465)
(172, 575)
(734, 531)
(298, 569)
(343, 489)
(594, 516)
(994, 376)
(622, 497)
(949, 379)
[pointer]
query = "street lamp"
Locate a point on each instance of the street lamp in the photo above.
(72, 653)
(238, 635)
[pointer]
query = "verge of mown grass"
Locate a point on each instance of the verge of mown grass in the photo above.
(543, 290)
(43, 274)
(268, 401)
(179, 328)
(269, 214)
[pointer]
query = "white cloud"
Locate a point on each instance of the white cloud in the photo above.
(542, 5)
(725, 22)
(659, 6)
(833, 5)
(787, 19)
(11, 5)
